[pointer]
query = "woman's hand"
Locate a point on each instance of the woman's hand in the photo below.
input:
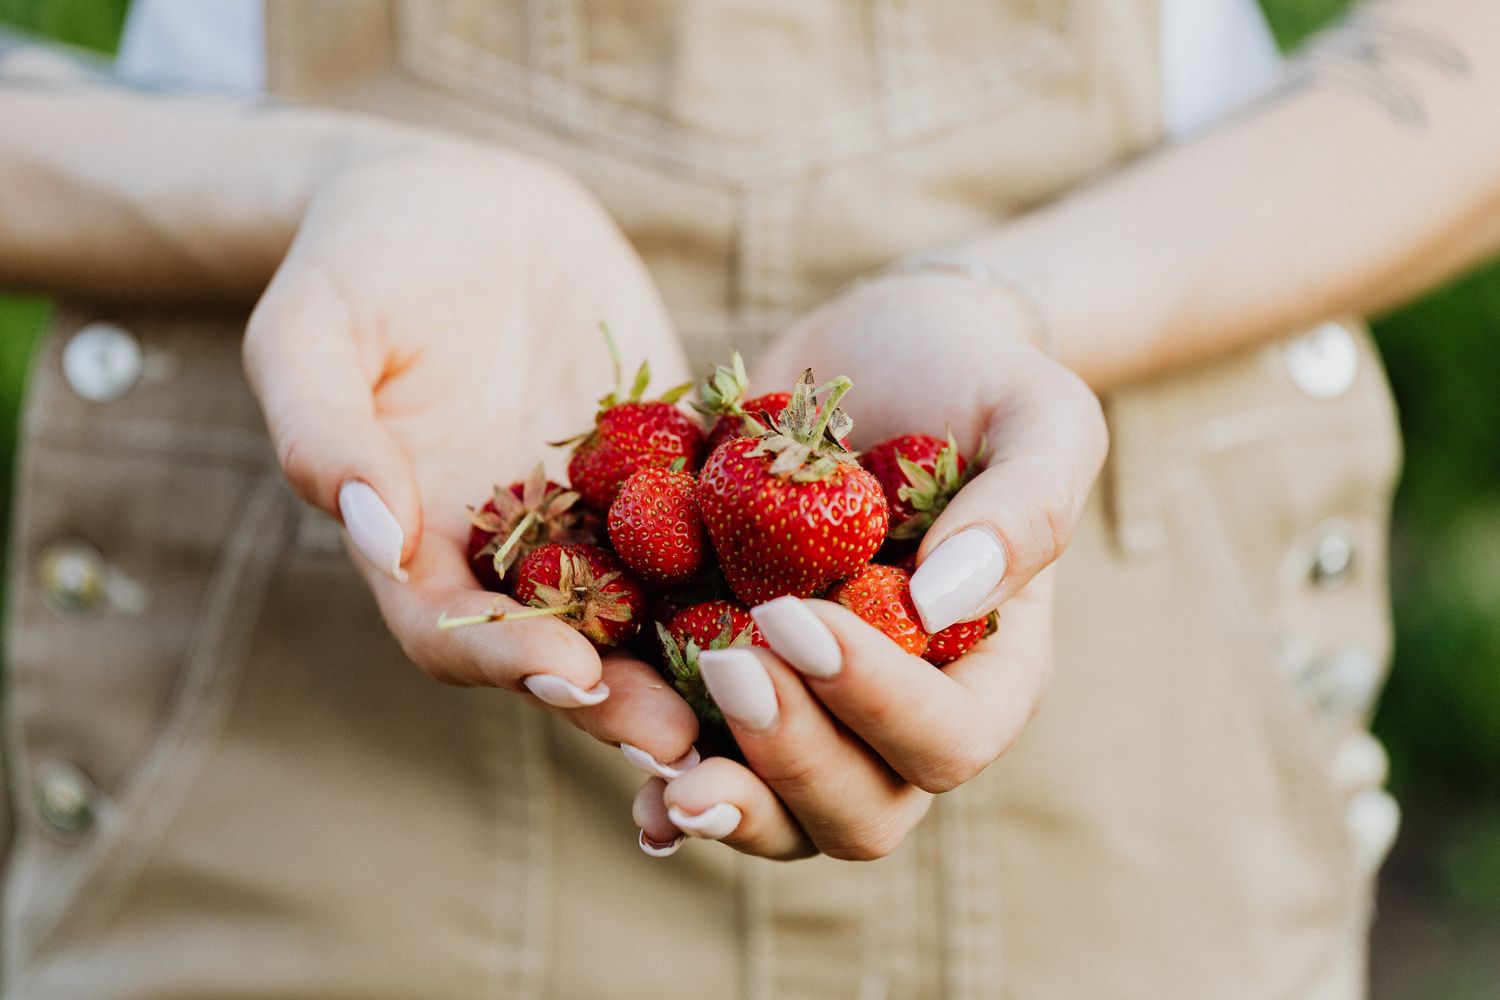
(845, 735)
(437, 319)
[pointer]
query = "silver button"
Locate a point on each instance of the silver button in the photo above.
(1322, 362)
(65, 799)
(1332, 555)
(1359, 764)
(73, 575)
(1372, 819)
(1345, 680)
(102, 362)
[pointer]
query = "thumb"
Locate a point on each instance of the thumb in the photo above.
(1016, 517)
(316, 393)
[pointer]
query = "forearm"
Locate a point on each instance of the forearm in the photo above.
(1372, 176)
(108, 192)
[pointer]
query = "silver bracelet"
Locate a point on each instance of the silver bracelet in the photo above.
(978, 270)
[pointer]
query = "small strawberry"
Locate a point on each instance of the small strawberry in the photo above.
(630, 435)
(920, 474)
(517, 519)
(655, 527)
(710, 625)
(881, 595)
(582, 585)
(721, 398)
(791, 512)
(958, 638)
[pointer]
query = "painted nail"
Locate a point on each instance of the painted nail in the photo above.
(372, 528)
(654, 850)
(564, 694)
(799, 636)
(740, 686)
(953, 581)
(651, 765)
(714, 823)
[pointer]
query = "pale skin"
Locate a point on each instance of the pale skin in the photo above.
(1374, 175)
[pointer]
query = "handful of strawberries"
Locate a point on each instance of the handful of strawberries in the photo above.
(668, 535)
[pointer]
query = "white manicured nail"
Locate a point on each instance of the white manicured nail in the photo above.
(952, 583)
(654, 850)
(740, 686)
(714, 823)
(799, 636)
(372, 528)
(651, 765)
(564, 694)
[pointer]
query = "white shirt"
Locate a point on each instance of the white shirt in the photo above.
(1216, 55)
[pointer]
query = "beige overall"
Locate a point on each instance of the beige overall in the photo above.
(227, 782)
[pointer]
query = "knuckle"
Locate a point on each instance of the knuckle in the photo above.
(952, 766)
(868, 842)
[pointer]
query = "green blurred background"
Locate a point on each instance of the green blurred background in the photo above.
(1438, 932)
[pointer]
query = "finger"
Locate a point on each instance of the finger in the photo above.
(643, 716)
(1017, 516)
(936, 728)
(723, 800)
(658, 837)
(538, 656)
(847, 800)
(317, 394)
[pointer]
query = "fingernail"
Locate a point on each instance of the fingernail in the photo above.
(799, 636)
(651, 765)
(952, 582)
(372, 527)
(714, 823)
(564, 694)
(654, 850)
(740, 686)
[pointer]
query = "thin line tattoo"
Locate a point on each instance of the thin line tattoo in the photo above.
(1371, 54)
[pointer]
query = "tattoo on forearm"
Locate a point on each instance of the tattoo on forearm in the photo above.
(1372, 55)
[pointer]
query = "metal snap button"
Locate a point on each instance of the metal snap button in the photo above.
(1372, 819)
(1332, 556)
(65, 798)
(102, 362)
(72, 575)
(1323, 362)
(1345, 680)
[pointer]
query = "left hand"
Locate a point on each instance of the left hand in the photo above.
(845, 735)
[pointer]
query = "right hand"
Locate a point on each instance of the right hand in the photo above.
(434, 322)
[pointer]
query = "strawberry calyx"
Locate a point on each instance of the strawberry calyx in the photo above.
(681, 658)
(614, 397)
(928, 493)
(544, 512)
(580, 598)
(807, 438)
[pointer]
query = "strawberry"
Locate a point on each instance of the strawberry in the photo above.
(958, 638)
(629, 435)
(920, 474)
(791, 512)
(881, 595)
(517, 519)
(582, 585)
(710, 625)
(750, 423)
(655, 527)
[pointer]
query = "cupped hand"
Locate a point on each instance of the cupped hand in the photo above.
(435, 320)
(846, 736)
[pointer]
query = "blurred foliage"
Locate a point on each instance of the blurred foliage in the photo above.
(91, 24)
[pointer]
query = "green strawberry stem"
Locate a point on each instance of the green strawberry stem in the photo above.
(512, 540)
(445, 623)
(837, 389)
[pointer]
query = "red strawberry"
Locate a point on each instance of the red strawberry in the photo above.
(582, 585)
(517, 519)
(791, 512)
(655, 527)
(710, 625)
(881, 595)
(750, 423)
(630, 435)
(920, 474)
(958, 638)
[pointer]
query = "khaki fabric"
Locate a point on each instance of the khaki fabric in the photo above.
(283, 807)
